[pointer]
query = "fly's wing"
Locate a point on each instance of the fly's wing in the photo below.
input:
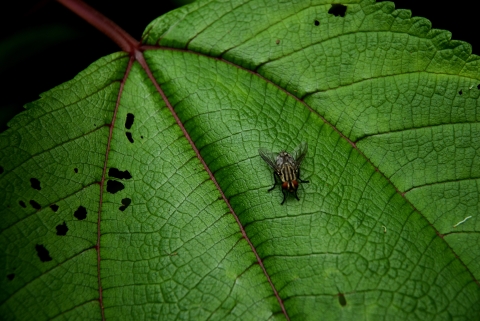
(268, 157)
(299, 153)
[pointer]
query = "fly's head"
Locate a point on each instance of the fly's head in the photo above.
(290, 186)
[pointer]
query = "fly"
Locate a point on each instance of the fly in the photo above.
(286, 167)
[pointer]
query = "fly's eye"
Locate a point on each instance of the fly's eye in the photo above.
(285, 185)
(295, 184)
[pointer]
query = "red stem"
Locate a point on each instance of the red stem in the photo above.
(126, 42)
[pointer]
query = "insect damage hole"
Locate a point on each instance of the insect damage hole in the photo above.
(115, 172)
(35, 183)
(316, 23)
(129, 136)
(22, 204)
(54, 207)
(80, 213)
(338, 10)
(1, 170)
(125, 203)
(342, 300)
(129, 121)
(62, 229)
(75, 170)
(11, 276)
(43, 253)
(35, 205)
(114, 186)
(460, 92)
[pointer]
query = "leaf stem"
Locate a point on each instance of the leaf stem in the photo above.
(126, 42)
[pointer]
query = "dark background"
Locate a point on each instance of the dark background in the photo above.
(43, 44)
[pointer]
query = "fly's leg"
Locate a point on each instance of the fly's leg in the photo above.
(284, 197)
(301, 181)
(275, 182)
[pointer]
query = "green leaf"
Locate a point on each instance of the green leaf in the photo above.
(108, 213)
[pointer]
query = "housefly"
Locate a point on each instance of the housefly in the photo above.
(286, 168)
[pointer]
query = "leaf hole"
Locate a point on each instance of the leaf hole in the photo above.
(125, 203)
(1, 170)
(80, 213)
(62, 229)
(129, 121)
(460, 92)
(342, 300)
(316, 23)
(141, 137)
(35, 183)
(115, 172)
(11, 276)
(75, 170)
(114, 186)
(338, 10)
(129, 136)
(54, 207)
(478, 86)
(35, 205)
(22, 204)
(43, 253)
